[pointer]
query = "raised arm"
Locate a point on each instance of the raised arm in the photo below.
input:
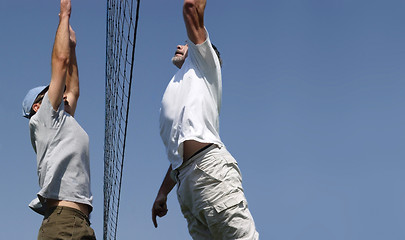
(61, 57)
(72, 78)
(193, 13)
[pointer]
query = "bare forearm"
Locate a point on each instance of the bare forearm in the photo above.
(193, 13)
(72, 81)
(61, 48)
(60, 59)
(159, 207)
(167, 184)
(72, 78)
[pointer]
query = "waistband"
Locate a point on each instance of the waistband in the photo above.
(68, 210)
(201, 150)
(197, 155)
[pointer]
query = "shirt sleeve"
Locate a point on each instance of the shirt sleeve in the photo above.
(204, 56)
(47, 116)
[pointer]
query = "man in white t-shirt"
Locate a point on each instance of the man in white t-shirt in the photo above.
(209, 182)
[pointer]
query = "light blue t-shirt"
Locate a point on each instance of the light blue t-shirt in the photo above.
(63, 163)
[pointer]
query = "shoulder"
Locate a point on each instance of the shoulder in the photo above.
(204, 53)
(47, 115)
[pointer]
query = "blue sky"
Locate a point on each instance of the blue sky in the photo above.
(312, 110)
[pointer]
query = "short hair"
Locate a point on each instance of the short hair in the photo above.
(218, 54)
(38, 99)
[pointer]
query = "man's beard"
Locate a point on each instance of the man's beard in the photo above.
(178, 61)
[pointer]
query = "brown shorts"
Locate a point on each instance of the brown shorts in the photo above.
(65, 223)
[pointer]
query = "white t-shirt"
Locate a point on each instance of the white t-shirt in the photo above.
(62, 148)
(191, 103)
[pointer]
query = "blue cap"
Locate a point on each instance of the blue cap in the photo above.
(30, 98)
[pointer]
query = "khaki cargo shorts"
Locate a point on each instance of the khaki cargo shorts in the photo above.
(210, 193)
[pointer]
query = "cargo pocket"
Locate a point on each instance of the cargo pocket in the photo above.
(229, 203)
(223, 215)
(217, 168)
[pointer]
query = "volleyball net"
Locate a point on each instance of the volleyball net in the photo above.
(122, 23)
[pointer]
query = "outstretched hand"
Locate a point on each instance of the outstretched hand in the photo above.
(159, 208)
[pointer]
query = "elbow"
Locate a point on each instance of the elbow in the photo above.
(72, 93)
(61, 55)
(61, 58)
(189, 3)
(76, 93)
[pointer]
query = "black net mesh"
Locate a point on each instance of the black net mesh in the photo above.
(122, 22)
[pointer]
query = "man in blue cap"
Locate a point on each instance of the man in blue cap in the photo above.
(61, 145)
(33, 97)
